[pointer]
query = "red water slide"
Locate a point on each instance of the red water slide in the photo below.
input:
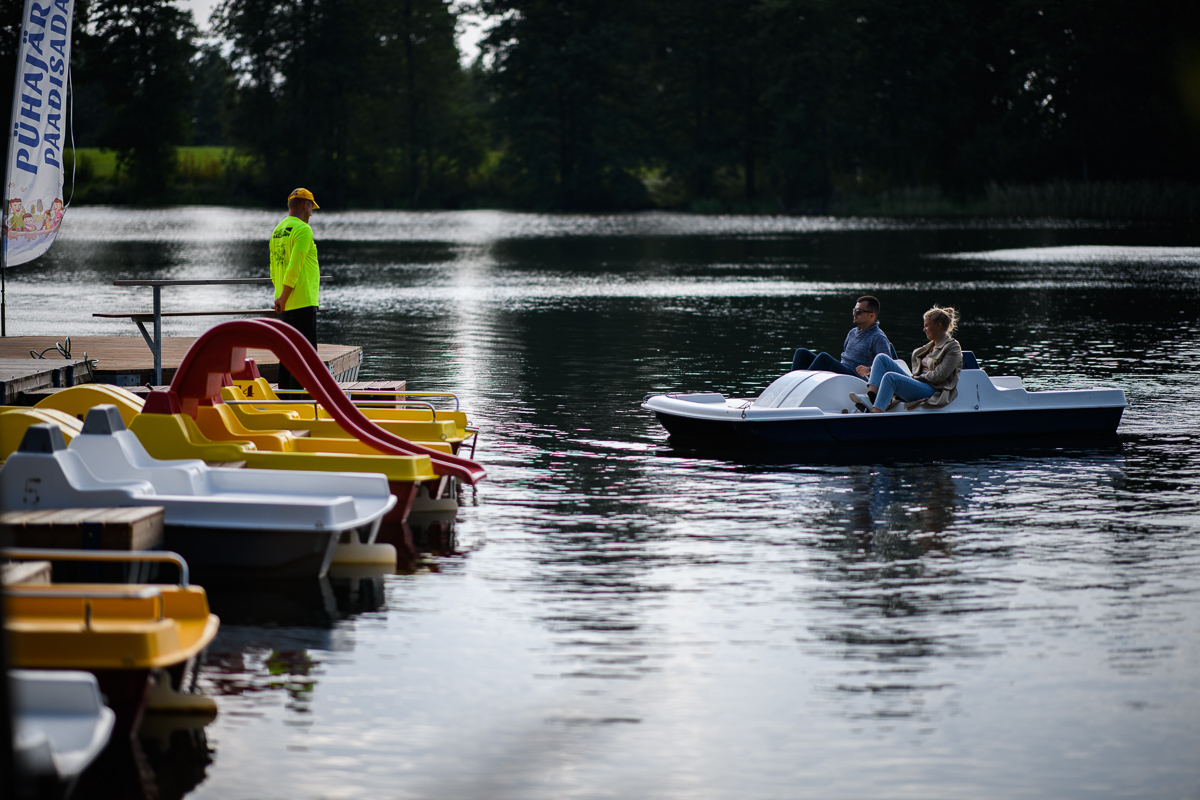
(221, 352)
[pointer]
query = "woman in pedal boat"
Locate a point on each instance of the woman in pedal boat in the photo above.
(935, 368)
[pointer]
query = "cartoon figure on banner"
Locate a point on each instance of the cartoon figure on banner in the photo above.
(16, 215)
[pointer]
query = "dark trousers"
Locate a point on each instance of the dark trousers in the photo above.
(305, 321)
(819, 362)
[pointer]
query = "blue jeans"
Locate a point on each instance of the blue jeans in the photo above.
(889, 376)
(821, 362)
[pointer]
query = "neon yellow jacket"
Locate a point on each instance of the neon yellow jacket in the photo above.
(294, 263)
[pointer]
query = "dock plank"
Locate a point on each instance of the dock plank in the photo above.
(138, 528)
(127, 361)
(19, 375)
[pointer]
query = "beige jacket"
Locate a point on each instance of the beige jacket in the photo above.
(946, 357)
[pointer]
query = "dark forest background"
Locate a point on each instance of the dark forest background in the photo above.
(751, 105)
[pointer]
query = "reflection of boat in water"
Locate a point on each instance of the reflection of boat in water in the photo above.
(168, 757)
(806, 408)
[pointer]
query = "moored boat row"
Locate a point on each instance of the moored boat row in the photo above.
(249, 483)
(319, 475)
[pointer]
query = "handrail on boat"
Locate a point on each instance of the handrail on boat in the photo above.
(93, 593)
(402, 393)
(389, 392)
(317, 406)
(395, 404)
(49, 554)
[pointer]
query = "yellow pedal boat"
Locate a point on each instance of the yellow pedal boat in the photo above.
(385, 414)
(132, 637)
(15, 420)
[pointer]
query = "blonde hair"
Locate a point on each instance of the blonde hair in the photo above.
(946, 317)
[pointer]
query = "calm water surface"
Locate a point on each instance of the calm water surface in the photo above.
(614, 617)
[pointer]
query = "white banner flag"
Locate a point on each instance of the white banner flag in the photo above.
(33, 202)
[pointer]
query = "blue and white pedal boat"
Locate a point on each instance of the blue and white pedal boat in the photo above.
(806, 408)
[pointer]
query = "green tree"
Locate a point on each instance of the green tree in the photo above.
(137, 56)
(569, 101)
(1099, 90)
(212, 81)
(10, 41)
(360, 99)
(711, 120)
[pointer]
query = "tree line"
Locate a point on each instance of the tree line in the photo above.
(605, 104)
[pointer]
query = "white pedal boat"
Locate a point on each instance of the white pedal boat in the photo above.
(814, 408)
(232, 519)
(61, 723)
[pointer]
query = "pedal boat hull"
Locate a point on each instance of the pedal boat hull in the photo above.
(813, 408)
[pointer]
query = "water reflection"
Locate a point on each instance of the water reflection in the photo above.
(169, 757)
(897, 596)
(610, 611)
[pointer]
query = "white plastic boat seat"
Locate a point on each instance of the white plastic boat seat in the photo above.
(803, 388)
(1008, 382)
(106, 419)
(46, 439)
(59, 712)
(116, 454)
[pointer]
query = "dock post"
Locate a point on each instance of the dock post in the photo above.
(157, 335)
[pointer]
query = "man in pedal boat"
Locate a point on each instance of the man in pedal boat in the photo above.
(296, 273)
(864, 341)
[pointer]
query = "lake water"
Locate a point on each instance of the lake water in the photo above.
(614, 617)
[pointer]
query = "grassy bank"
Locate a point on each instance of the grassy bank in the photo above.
(203, 175)
(1093, 200)
(220, 176)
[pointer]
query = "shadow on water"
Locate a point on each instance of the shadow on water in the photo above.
(167, 759)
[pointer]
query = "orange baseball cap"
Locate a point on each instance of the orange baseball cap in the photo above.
(303, 194)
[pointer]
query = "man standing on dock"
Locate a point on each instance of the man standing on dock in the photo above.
(295, 272)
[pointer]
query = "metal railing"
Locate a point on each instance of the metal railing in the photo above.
(49, 554)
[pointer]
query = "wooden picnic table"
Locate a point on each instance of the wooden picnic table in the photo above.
(140, 318)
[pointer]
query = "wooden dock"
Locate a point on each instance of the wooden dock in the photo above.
(127, 361)
(135, 528)
(20, 375)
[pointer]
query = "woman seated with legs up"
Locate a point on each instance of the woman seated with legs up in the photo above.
(935, 369)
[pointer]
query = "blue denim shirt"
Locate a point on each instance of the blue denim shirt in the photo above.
(862, 346)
